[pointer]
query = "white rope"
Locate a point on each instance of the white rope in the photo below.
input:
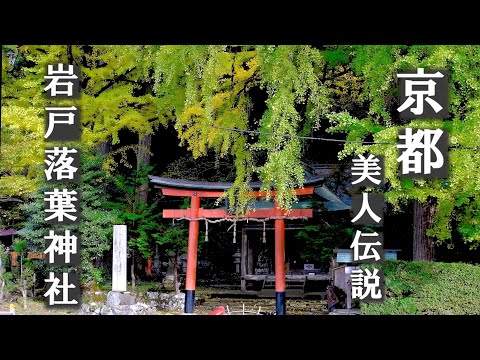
(264, 237)
(206, 231)
(243, 219)
(234, 232)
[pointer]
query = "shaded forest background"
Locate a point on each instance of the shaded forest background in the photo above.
(155, 109)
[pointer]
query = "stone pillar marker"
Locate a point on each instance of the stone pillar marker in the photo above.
(119, 268)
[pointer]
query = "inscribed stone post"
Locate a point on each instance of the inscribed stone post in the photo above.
(119, 268)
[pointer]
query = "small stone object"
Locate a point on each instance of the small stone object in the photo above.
(106, 310)
(345, 312)
(115, 298)
(152, 295)
(123, 303)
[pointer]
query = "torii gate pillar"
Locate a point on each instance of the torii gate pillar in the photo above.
(191, 277)
(195, 212)
(280, 280)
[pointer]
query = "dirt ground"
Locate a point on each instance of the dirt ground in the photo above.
(206, 301)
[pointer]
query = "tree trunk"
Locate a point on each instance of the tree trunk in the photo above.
(70, 54)
(34, 283)
(143, 160)
(104, 147)
(2, 286)
(423, 245)
(24, 295)
(2, 281)
(23, 285)
(132, 271)
(148, 268)
(176, 283)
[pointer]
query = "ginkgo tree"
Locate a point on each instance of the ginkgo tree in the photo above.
(117, 93)
(438, 204)
(201, 90)
(23, 105)
(206, 88)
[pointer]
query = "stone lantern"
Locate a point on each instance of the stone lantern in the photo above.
(237, 260)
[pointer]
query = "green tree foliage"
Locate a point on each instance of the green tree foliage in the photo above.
(6, 277)
(10, 214)
(173, 241)
(139, 88)
(456, 199)
(205, 86)
(118, 94)
(96, 226)
(139, 216)
(25, 274)
(317, 241)
(172, 238)
(23, 103)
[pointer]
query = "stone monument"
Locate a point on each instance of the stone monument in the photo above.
(119, 268)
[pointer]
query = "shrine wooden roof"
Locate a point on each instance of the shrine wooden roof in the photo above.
(7, 232)
(331, 201)
(217, 186)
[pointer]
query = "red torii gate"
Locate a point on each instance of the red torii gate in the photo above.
(196, 190)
